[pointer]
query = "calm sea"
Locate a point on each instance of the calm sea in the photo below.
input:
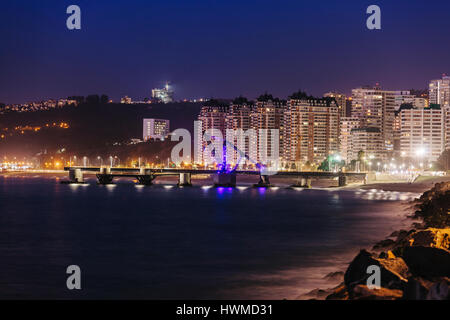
(164, 242)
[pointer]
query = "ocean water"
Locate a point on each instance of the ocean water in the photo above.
(164, 242)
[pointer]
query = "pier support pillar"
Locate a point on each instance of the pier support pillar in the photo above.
(303, 182)
(342, 180)
(263, 182)
(184, 180)
(145, 177)
(307, 183)
(76, 176)
(225, 179)
(105, 177)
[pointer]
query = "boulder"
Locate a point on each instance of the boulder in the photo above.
(427, 261)
(383, 244)
(423, 289)
(431, 237)
(362, 292)
(426, 252)
(394, 272)
(417, 288)
(339, 293)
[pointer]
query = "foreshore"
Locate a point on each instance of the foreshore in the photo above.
(414, 264)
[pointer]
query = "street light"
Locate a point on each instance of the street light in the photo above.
(101, 160)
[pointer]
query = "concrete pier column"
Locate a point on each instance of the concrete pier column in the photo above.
(303, 182)
(76, 176)
(263, 182)
(184, 180)
(308, 183)
(105, 177)
(105, 170)
(342, 180)
(225, 179)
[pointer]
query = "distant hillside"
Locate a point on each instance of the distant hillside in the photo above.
(92, 128)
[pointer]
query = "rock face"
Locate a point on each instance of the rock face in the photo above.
(416, 265)
(394, 272)
(339, 293)
(426, 252)
(362, 292)
(423, 289)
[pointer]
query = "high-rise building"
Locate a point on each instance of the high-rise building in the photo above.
(156, 129)
(375, 108)
(266, 114)
(237, 121)
(212, 116)
(422, 132)
(368, 140)
(164, 95)
(439, 91)
(446, 110)
(403, 97)
(311, 130)
(420, 102)
(341, 101)
(346, 127)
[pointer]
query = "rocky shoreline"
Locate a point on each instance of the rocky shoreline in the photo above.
(414, 264)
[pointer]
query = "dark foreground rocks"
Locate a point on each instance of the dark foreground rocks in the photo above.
(414, 266)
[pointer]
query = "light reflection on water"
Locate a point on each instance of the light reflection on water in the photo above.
(161, 241)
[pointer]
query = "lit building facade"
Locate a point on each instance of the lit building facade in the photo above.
(126, 100)
(439, 91)
(237, 122)
(368, 140)
(210, 117)
(341, 100)
(310, 130)
(346, 127)
(446, 111)
(422, 133)
(164, 95)
(266, 114)
(376, 108)
(156, 129)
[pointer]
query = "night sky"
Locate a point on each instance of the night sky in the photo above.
(218, 48)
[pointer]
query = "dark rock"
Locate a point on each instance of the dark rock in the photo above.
(339, 293)
(394, 272)
(417, 288)
(383, 244)
(362, 292)
(423, 289)
(427, 261)
(440, 290)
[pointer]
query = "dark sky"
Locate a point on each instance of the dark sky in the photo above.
(218, 48)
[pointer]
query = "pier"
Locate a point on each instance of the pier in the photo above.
(146, 176)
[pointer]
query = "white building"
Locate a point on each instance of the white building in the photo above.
(422, 133)
(164, 95)
(402, 97)
(341, 101)
(347, 125)
(368, 140)
(156, 129)
(310, 130)
(376, 108)
(439, 91)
